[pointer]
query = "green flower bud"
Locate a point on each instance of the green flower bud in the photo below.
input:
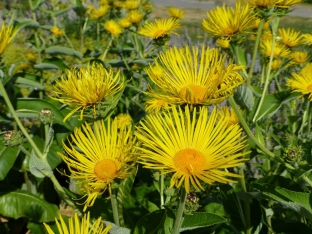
(170, 192)
(12, 138)
(46, 116)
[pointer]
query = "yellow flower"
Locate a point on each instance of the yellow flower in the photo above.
(7, 33)
(125, 23)
(98, 155)
(229, 22)
(159, 28)
(228, 113)
(223, 42)
(131, 4)
(31, 56)
(257, 22)
(118, 4)
(276, 64)
(194, 147)
(155, 72)
(86, 87)
(263, 3)
(56, 31)
(123, 120)
(100, 12)
(77, 225)
(289, 37)
(156, 105)
(287, 3)
(195, 76)
(307, 39)
(113, 28)
(302, 82)
(176, 13)
(278, 51)
(135, 16)
(299, 57)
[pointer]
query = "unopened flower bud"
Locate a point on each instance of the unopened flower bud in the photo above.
(12, 138)
(46, 116)
(170, 192)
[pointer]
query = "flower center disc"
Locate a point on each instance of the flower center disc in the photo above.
(105, 169)
(159, 33)
(190, 161)
(310, 87)
(193, 93)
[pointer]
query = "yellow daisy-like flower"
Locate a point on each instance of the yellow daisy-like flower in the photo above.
(135, 16)
(113, 28)
(100, 12)
(98, 155)
(155, 72)
(302, 82)
(77, 225)
(276, 64)
(287, 3)
(307, 39)
(7, 33)
(125, 23)
(156, 105)
(263, 3)
(159, 28)
(257, 23)
(118, 4)
(279, 50)
(123, 120)
(289, 37)
(56, 31)
(299, 57)
(176, 13)
(229, 22)
(86, 87)
(228, 113)
(195, 147)
(31, 56)
(223, 42)
(131, 4)
(194, 76)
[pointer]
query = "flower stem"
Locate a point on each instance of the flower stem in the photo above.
(179, 216)
(107, 48)
(115, 207)
(306, 179)
(162, 181)
(242, 181)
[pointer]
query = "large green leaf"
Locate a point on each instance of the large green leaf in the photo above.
(200, 219)
(151, 223)
(7, 159)
(26, 83)
(243, 96)
(57, 50)
(24, 204)
(21, 23)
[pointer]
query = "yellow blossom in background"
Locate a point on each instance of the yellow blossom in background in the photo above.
(194, 147)
(278, 51)
(90, 8)
(147, 6)
(131, 4)
(56, 31)
(125, 23)
(195, 76)
(307, 39)
(99, 154)
(83, 88)
(159, 28)
(135, 16)
(228, 113)
(123, 120)
(7, 34)
(31, 56)
(100, 12)
(118, 4)
(223, 42)
(156, 105)
(299, 57)
(113, 28)
(302, 82)
(155, 72)
(263, 3)
(289, 37)
(257, 22)
(104, 2)
(228, 21)
(78, 225)
(176, 13)
(287, 3)
(276, 64)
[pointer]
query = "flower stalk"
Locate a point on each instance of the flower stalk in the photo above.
(179, 216)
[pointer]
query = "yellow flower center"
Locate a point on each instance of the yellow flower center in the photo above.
(310, 87)
(190, 161)
(193, 93)
(105, 169)
(159, 33)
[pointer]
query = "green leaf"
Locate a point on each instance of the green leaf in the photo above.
(7, 159)
(198, 219)
(259, 134)
(56, 61)
(243, 96)
(117, 230)
(25, 83)
(24, 204)
(36, 3)
(60, 12)
(23, 23)
(291, 227)
(215, 208)
(38, 167)
(151, 222)
(46, 66)
(269, 107)
(56, 50)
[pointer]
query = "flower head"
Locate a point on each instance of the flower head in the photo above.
(276, 64)
(131, 4)
(307, 39)
(123, 120)
(195, 147)
(289, 37)
(86, 87)
(176, 13)
(135, 16)
(263, 3)
(299, 57)
(113, 28)
(279, 50)
(287, 3)
(56, 31)
(223, 42)
(125, 23)
(302, 82)
(160, 28)
(7, 33)
(156, 105)
(77, 225)
(229, 22)
(100, 12)
(228, 113)
(195, 77)
(99, 155)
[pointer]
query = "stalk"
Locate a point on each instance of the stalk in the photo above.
(115, 207)
(179, 216)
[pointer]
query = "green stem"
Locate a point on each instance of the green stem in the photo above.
(115, 207)
(162, 182)
(255, 52)
(242, 181)
(137, 45)
(27, 181)
(306, 179)
(25, 151)
(179, 216)
(69, 41)
(107, 48)
(252, 137)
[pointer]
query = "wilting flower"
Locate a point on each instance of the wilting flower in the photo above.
(56, 31)
(86, 87)
(7, 33)
(302, 82)
(299, 57)
(195, 77)
(125, 23)
(279, 50)
(176, 13)
(289, 37)
(229, 22)
(100, 12)
(131, 4)
(159, 28)
(77, 225)
(156, 105)
(98, 155)
(113, 28)
(135, 16)
(195, 147)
